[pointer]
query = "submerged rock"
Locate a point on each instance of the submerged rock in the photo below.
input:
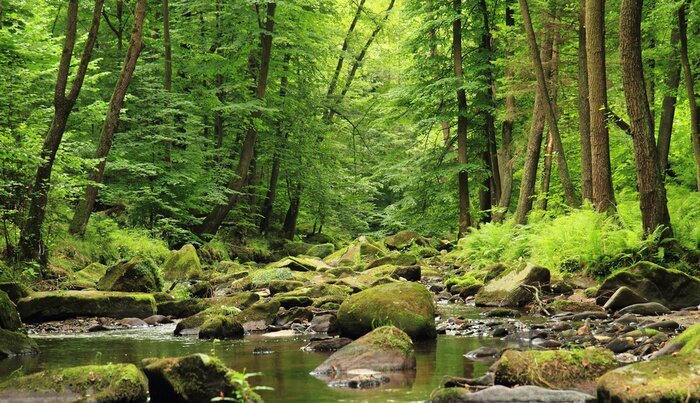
(16, 343)
(509, 289)
(406, 305)
(503, 394)
(94, 383)
(59, 305)
(182, 264)
(135, 275)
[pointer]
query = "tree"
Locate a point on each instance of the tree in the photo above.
(111, 122)
(463, 176)
(584, 108)
(668, 105)
(690, 88)
(31, 245)
(652, 193)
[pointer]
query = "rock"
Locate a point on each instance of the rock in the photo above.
(182, 264)
(554, 369)
(133, 323)
(324, 323)
(194, 378)
(502, 313)
(136, 275)
(201, 289)
(280, 286)
(360, 252)
(330, 344)
(14, 290)
(566, 305)
(483, 353)
(384, 349)
(361, 379)
(92, 273)
(221, 327)
(507, 290)
(15, 343)
(669, 287)
(300, 263)
(646, 309)
(93, 383)
(623, 297)
(665, 379)
(685, 343)
(663, 325)
(406, 305)
(502, 394)
(500, 331)
(621, 344)
(457, 382)
(404, 240)
(294, 248)
(188, 307)
(321, 251)
(59, 305)
(227, 319)
(9, 318)
(394, 258)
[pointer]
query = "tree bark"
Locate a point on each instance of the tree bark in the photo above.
(689, 86)
(584, 109)
(652, 194)
(290, 219)
(213, 221)
(601, 177)
(31, 243)
(87, 203)
(668, 105)
(168, 74)
(463, 176)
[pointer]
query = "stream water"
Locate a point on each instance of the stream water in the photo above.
(286, 370)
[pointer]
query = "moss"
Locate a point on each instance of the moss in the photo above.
(448, 395)
(9, 318)
(182, 264)
(642, 333)
(99, 383)
(690, 339)
(321, 251)
(59, 305)
(92, 273)
(220, 327)
(262, 278)
(15, 343)
(262, 310)
(469, 279)
(507, 290)
(553, 369)
(281, 286)
(136, 275)
(14, 290)
(566, 305)
(390, 337)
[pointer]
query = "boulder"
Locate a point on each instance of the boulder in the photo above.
(94, 383)
(384, 349)
(394, 258)
(300, 263)
(15, 291)
(404, 240)
(135, 275)
(501, 394)
(646, 309)
(188, 307)
(182, 264)
(194, 378)
(59, 305)
(321, 251)
(226, 319)
(221, 327)
(553, 369)
(623, 297)
(280, 286)
(406, 305)
(357, 254)
(669, 287)
(326, 323)
(325, 345)
(92, 273)
(16, 343)
(9, 318)
(509, 288)
(685, 343)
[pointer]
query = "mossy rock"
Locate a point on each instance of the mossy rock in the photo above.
(60, 305)
(93, 383)
(509, 288)
(194, 378)
(406, 305)
(182, 264)
(357, 254)
(92, 273)
(15, 291)
(665, 379)
(261, 310)
(567, 305)
(135, 275)
(385, 349)
(553, 369)
(281, 286)
(16, 343)
(685, 343)
(263, 277)
(320, 290)
(404, 240)
(669, 287)
(291, 301)
(188, 307)
(394, 258)
(296, 248)
(9, 318)
(321, 251)
(500, 393)
(221, 327)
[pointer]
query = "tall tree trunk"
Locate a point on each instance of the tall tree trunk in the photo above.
(601, 177)
(668, 105)
(463, 176)
(652, 194)
(584, 108)
(290, 219)
(689, 86)
(168, 75)
(31, 244)
(87, 203)
(213, 221)
(543, 196)
(505, 157)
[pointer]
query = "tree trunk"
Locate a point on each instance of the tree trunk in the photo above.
(31, 244)
(668, 105)
(652, 194)
(463, 176)
(290, 219)
(584, 109)
(213, 221)
(168, 75)
(546, 173)
(689, 86)
(601, 179)
(87, 204)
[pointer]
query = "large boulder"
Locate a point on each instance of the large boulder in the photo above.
(554, 369)
(60, 305)
(406, 305)
(187, 307)
(300, 263)
(511, 288)
(321, 251)
(385, 349)
(226, 321)
(9, 318)
(135, 275)
(356, 255)
(122, 383)
(669, 287)
(686, 343)
(182, 264)
(16, 343)
(194, 378)
(404, 240)
(501, 394)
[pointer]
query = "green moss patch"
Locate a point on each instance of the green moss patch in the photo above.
(59, 305)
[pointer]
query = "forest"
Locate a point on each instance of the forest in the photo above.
(287, 200)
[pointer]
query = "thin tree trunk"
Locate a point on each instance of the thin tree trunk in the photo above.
(31, 244)
(168, 75)
(601, 178)
(652, 194)
(87, 203)
(290, 219)
(668, 105)
(689, 86)
(584, 109)
(213, 221)
(463, 176)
